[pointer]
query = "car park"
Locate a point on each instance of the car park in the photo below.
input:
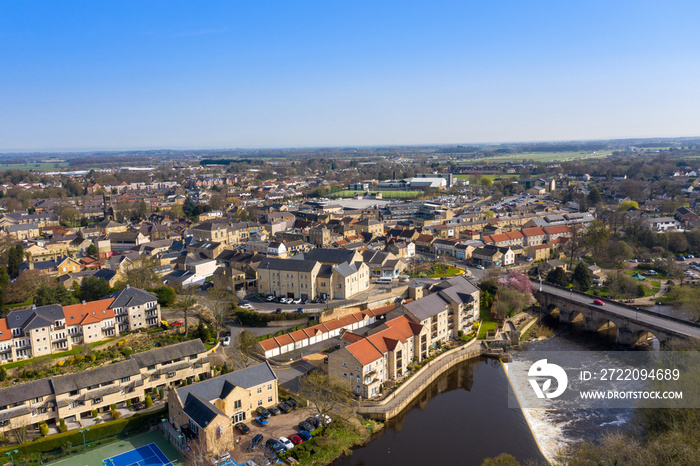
(242, 428)
(274, 410)
(263, 412)
(286, 443)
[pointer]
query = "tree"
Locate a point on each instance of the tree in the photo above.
(59, 294)
(25, 285)
(19, 429)
(139, 273)
(92, 250)
(326, 393)
(166, 295)
(504, 459)
(70, 216)
(485, 182)
(627, 205)
(185, 305)
(597, 235)
(93, 288)
(594, 196)
(15, 258)
(4, 284)
(3, 374)
(582, 278)
(558, 277)
(189, 207)
(219, 301)
(148, 401)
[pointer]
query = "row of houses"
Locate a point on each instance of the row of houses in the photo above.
(54, 328)
(73, 397)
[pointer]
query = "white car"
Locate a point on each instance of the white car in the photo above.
(296, 301)
(246, 306)
(286, 443)
(227, 341)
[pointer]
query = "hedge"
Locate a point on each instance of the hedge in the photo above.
(54, 442)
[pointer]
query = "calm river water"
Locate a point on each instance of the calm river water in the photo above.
(464, 417)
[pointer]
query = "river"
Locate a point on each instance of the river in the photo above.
(464, 417)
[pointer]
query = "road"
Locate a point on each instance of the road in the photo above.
(622, 311)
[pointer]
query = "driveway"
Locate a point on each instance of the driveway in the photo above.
(288, 376)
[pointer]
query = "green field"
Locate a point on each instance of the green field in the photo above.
(38, 166)
(545, 156)
(385, 194)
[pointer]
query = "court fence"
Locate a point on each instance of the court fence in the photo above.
(54, 447)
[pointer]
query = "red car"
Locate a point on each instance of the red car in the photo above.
(177, 323)
(295, 439)
(598, 302)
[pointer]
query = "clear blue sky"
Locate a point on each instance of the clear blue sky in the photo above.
(209, 74)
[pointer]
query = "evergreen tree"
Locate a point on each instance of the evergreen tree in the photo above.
(15, 258)
(92, 250)
(582, 278)
(558, 277)
(93, 288)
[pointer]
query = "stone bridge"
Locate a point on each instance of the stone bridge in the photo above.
(633, 324)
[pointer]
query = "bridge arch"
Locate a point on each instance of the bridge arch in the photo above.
(577, 318)
(645, 338)
(604, 326)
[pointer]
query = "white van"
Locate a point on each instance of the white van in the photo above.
(384, 281)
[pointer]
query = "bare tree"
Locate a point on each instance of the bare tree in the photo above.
(197, 453)
(185, 304)
(19, 429)
(327, 394)
(219, 301)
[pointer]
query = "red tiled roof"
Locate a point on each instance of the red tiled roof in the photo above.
(93, 311)
(534, 231)
(556, 229)
(5, 332)
(269, 344)
(364, 351)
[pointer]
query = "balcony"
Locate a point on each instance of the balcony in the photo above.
(59, 327)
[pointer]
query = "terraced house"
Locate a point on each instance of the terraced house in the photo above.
(50, 329)
(210, 408)
(73, 397)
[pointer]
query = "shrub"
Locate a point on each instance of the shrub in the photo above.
(44, 428)
(62, 427)
(161, 394)
(113, 407)
(116, 414)
(94, 412)
(149, 401)
(128, 404)
(127, 351)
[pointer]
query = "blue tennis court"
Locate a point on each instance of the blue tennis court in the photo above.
(147, 455)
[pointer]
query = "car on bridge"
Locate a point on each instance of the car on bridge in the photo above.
(598, 302)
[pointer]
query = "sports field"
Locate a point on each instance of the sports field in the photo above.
(549, 156)
(150, 448)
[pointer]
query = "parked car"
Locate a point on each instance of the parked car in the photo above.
(479, 266)
(300, 310)
(284, 407)
(138, 406)
(227, 341)
(651, 272)
(598, 302)
(245, 306)
(263, 412)
(270, 298)
(305, 435)
(324, 418)
(296, 301)
(261, 420)
(314, 421)
(296, 440)
(292, 403)
(177, 323)
(274, 410)
(286, 443)
(242, 428)
(304, 425)
(257, 440)
(278, 311)
(274, 445)
(244, 301)
(228, 333)
(305, 301)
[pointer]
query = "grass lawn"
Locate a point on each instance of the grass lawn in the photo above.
(487, 325)
(387, 194)
(336, 441)
(450, 272)
(8, 307)
(209, 346)
(62, 354)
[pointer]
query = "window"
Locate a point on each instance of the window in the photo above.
(345, 364)
(259, 390)
(171, 374)
(237, 404)
(97, 400)
(37, 399)
(151, 368)
(269, 386)
(259, 402)
(125, 379)
(345, 374)
(269, 399)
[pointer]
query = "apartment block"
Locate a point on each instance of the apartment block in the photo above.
(209, 409)
(73, 397)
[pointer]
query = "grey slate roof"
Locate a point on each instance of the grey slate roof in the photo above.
(427, 307)
(200, 411)
(35, 318)
(345, 269)
(291, 265)
(169, 353)
(212, 389)
(100, 375)
(25, 391)
(129, 297)
(330, 256)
